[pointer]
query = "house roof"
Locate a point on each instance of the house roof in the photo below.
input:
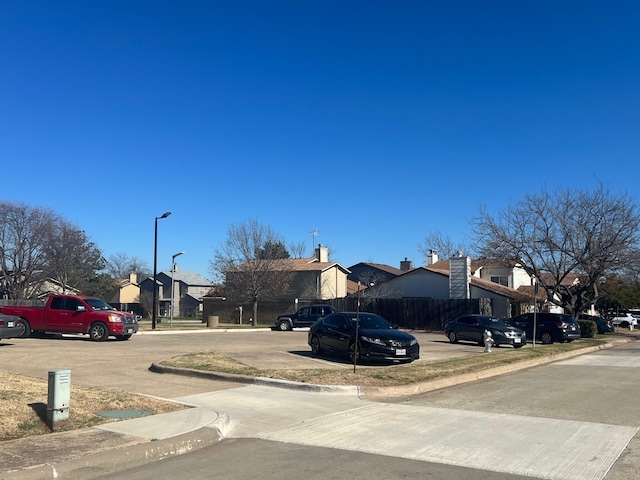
(479, 282)
(186, 277)
(380, 266)
(310, 265)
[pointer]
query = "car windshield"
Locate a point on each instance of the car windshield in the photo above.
(491, 322)
(370, 320)
(98, 304)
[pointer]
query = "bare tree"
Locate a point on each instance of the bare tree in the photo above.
(120, 265)
(297, 250)
(443, 244)
(23, 236)
(555, 236)
(72, 260)
(251, 269)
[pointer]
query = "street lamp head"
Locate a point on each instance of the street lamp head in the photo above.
(164, 215)
(177, 255)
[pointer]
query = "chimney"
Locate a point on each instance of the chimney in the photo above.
(133, 277)
(459, 276)
(432, 257)
(406, 265)
(322, 253)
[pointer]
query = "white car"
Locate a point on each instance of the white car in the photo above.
(625, 320)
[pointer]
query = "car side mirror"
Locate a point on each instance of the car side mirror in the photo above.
(81, 308)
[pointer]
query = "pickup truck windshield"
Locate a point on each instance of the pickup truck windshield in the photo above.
(98, 304)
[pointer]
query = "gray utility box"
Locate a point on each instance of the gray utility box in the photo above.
(59, 398)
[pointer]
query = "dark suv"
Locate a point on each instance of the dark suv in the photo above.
(303, 317)
(550, 327)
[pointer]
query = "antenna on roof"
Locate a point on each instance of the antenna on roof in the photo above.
(314, 234)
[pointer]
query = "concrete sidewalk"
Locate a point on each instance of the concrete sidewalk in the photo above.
(253, 409)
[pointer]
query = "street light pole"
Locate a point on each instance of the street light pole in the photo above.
(154, 308)
(173, 269)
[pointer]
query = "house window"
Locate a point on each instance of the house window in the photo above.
(502, 280)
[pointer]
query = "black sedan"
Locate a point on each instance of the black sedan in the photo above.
(378, 340)
(472, 327)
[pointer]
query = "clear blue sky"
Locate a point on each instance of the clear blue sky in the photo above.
(374, 122)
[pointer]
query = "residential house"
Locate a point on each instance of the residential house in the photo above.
(318, 278)
(188, 289)
(453, 278)
(376, 273)
(126, 296)
(314, 278)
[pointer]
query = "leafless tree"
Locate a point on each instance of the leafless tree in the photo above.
(443, 244)
(72, 259)
(250, 272)
(36, 245)
(297, 250)
(120, 265)
(375, 285)
(556, 235)
(146, 302)
(24, 232)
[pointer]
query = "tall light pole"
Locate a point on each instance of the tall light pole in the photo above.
(173, 269)
(154, 308)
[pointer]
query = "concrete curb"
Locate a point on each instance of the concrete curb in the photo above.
(391, 391)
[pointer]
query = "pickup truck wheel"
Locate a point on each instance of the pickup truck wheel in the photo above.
(284, 325)
(26, 328)
(98, 332)
(123, 337)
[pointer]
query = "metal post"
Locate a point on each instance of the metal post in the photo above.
(356, 347)
(154, 308)
(173, 269)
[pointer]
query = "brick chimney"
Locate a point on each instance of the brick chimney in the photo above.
(406, 265)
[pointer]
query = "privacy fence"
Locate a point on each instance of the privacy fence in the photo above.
(408, 313)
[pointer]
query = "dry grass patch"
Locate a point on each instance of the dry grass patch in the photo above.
(364, 376)
(24, 405)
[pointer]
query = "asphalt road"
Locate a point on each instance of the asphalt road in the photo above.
(564, 410)
(124, 365)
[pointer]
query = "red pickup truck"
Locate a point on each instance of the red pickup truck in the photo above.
(75, 314)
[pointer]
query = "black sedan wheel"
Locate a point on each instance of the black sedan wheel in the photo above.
(354, 350)
(453, 338)
(315, 345)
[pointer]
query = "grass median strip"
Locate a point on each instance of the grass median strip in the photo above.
(379, 377)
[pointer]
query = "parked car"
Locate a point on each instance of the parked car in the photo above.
(604, 326)
(74, 314)
(471, 328)
(377, 339)
(303, 317)
(9, 327)
(550, 327)
(625, 320)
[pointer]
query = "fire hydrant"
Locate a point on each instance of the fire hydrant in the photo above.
(488, 341)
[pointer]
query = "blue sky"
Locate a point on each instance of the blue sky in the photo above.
(374, 122)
